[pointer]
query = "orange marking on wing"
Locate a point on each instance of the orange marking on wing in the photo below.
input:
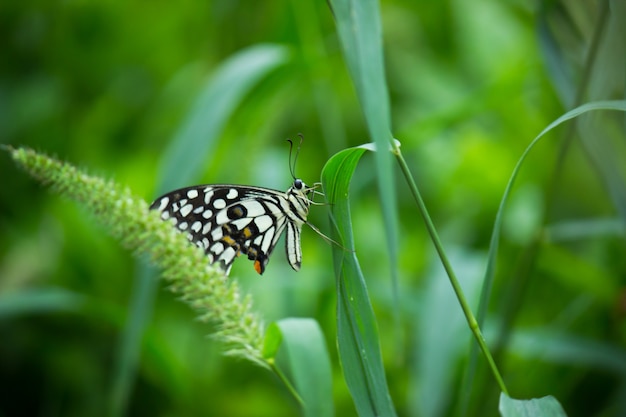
(257, 267)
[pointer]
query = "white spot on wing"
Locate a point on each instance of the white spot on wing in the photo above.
(165, 215)
(217, 234)
(163, 203)
(183, 226)
(217, 248)
(192, 193)
(196, 226)
(208, 195)
(206, 229)
(207, 214)
(232, 194)
(219, 203)
(186, 210)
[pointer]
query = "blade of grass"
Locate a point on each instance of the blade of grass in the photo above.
(497, 227)
(186, 155)
(360, 32)
(357, 331)
(301, 343)
(456, 286)
(601, 135)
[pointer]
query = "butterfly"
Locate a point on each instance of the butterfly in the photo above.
(229, 220)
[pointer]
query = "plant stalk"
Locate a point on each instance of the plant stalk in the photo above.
(467, 311)
(286, 381)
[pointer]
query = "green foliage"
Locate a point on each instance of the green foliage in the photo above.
(205, 92)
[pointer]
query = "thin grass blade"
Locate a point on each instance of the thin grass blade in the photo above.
(360, 32)
(619, 105)
(186, 155)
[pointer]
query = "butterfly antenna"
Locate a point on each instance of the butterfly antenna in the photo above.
(292, 166)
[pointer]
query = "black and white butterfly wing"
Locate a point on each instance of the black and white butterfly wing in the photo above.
(228, 220)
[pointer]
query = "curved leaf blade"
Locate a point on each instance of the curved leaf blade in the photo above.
(619, 105)
(309, 363)
(357, 331)
(360, 32)
(219, 98)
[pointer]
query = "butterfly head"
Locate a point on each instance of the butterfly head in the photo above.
(299, 193)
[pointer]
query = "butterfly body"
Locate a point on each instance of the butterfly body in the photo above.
(228, 220)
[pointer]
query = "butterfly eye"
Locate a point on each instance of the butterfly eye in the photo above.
(298, 184)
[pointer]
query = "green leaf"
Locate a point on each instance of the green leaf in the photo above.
(536, 407)
(360, 32)
(497, 226)
(187, 153)
(357, 331)
(308, 361)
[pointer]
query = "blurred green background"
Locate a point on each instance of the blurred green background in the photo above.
(109, 85)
